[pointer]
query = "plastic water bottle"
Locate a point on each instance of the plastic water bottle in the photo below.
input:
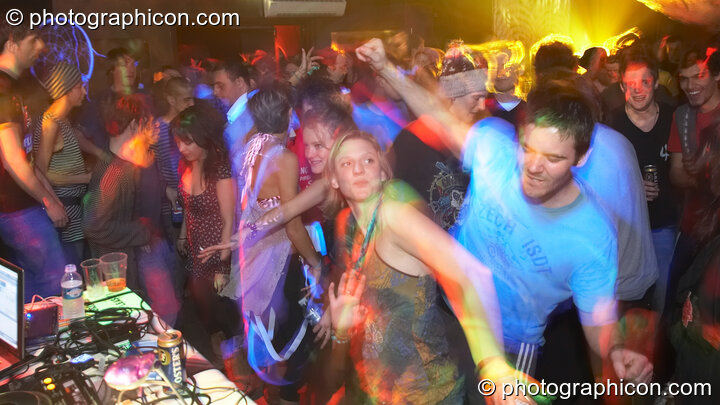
(72, 289)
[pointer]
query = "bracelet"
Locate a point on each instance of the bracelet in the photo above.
(182, 239)
(340, 340)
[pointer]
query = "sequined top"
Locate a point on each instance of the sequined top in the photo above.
(402, 355)
(264, 261)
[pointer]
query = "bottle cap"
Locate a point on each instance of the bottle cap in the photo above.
(69, 268)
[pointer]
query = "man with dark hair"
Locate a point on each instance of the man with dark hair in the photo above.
(699, 75)
(613, 97)
(646, 122)
(264, 68)
(123, 71)
(612, 69)
(555, 55)
(316, 91)
(550, 234)
(123, 81)
(593, 61)
(670, 53)
(553, 233)
(612, 175)
(233, 84)
(25, 227)
(540, 230)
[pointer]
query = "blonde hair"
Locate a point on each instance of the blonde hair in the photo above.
(335, 200)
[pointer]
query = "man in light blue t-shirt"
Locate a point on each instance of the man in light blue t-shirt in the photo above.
(540, 230)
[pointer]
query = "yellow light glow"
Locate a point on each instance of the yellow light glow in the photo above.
(613, 44)
(701, 12)
(503, 57)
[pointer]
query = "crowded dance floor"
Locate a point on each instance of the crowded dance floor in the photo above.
(360, 202)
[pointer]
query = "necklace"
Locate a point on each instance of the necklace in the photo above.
(357, 263)
(650, 124)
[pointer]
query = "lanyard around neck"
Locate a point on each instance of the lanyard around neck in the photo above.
(368, 235)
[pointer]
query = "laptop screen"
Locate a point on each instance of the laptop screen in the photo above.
(11, 306)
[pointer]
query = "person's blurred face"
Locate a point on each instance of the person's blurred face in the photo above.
(698, 84)
(639, 87)
(125, 72)
(338, 71)
(290, 70)
(316, 148)
(358, 175)
(546, 160)
(226, 89)
(506, 75)
(27, 50)
(597, 62)
(76, 95)
(613, 72)
(422, 59)
(190, 151)
(467, 107)
(673, 50)
(182, 100)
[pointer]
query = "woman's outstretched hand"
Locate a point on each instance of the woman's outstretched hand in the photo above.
(323, 330)
(345, 309)
(207, 252)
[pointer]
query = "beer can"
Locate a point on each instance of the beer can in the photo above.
(172, 356)
(650, 173)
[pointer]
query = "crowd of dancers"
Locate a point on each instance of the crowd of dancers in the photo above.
(389, 223)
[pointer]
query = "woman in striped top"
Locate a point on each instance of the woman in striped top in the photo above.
(57, 153)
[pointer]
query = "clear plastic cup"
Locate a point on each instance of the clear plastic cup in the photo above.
(114, 268)
(93, 278)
